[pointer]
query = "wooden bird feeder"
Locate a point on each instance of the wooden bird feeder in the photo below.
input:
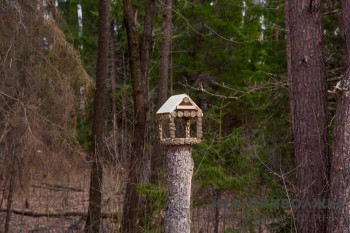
(179, 110)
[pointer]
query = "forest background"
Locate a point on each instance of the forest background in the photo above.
(230, 56)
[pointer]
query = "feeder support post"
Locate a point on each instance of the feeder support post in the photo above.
(179, 162)
(179, 165)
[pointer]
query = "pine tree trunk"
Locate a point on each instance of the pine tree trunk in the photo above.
(165, 52)
(217, 212)
(339, 218)
(112, 46)
(132, 199)
(95, 199)
(178, 189)
(139, 62)
(10, 194)
(308, 100)
(147, 41)
(157, 157)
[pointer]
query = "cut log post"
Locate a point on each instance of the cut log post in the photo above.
(178, 189)
(172, 128)
(187, 128)
(187, 114)
(160, 129)
(179, 160)
(199, 128)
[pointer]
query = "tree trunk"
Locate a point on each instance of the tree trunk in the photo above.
(139, 62)
(165, 52)
(157, 157)
(339, 218)
(112, 46)
(217, 212)
(115, 154)
(147, 37)
(178, 189)
(94, 211)
(130, 222)
(10, 194)
(308, 100)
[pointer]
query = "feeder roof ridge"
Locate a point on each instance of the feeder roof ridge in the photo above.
(174, 101)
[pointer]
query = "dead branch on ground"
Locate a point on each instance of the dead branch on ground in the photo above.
(33, 214)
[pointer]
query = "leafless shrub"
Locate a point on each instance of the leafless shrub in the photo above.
(41, 94)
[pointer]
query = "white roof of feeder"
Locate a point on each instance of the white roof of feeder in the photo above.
(173, 103)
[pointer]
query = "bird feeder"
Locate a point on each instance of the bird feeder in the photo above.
(179, 108)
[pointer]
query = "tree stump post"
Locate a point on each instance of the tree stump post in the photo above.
(179, 164)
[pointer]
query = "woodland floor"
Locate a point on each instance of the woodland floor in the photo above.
(65, 191)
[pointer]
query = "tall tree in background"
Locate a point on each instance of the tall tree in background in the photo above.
(165, 52)
(157, 156)
(139, 65)
(94, 212)
(114, 139)
(112, 62)
(308, 100)
(339, 218)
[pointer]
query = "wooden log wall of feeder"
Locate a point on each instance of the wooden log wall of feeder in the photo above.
(176, 108)
(179, 162)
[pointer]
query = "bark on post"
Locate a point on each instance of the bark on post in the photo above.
(179, 166)
(179, 162)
